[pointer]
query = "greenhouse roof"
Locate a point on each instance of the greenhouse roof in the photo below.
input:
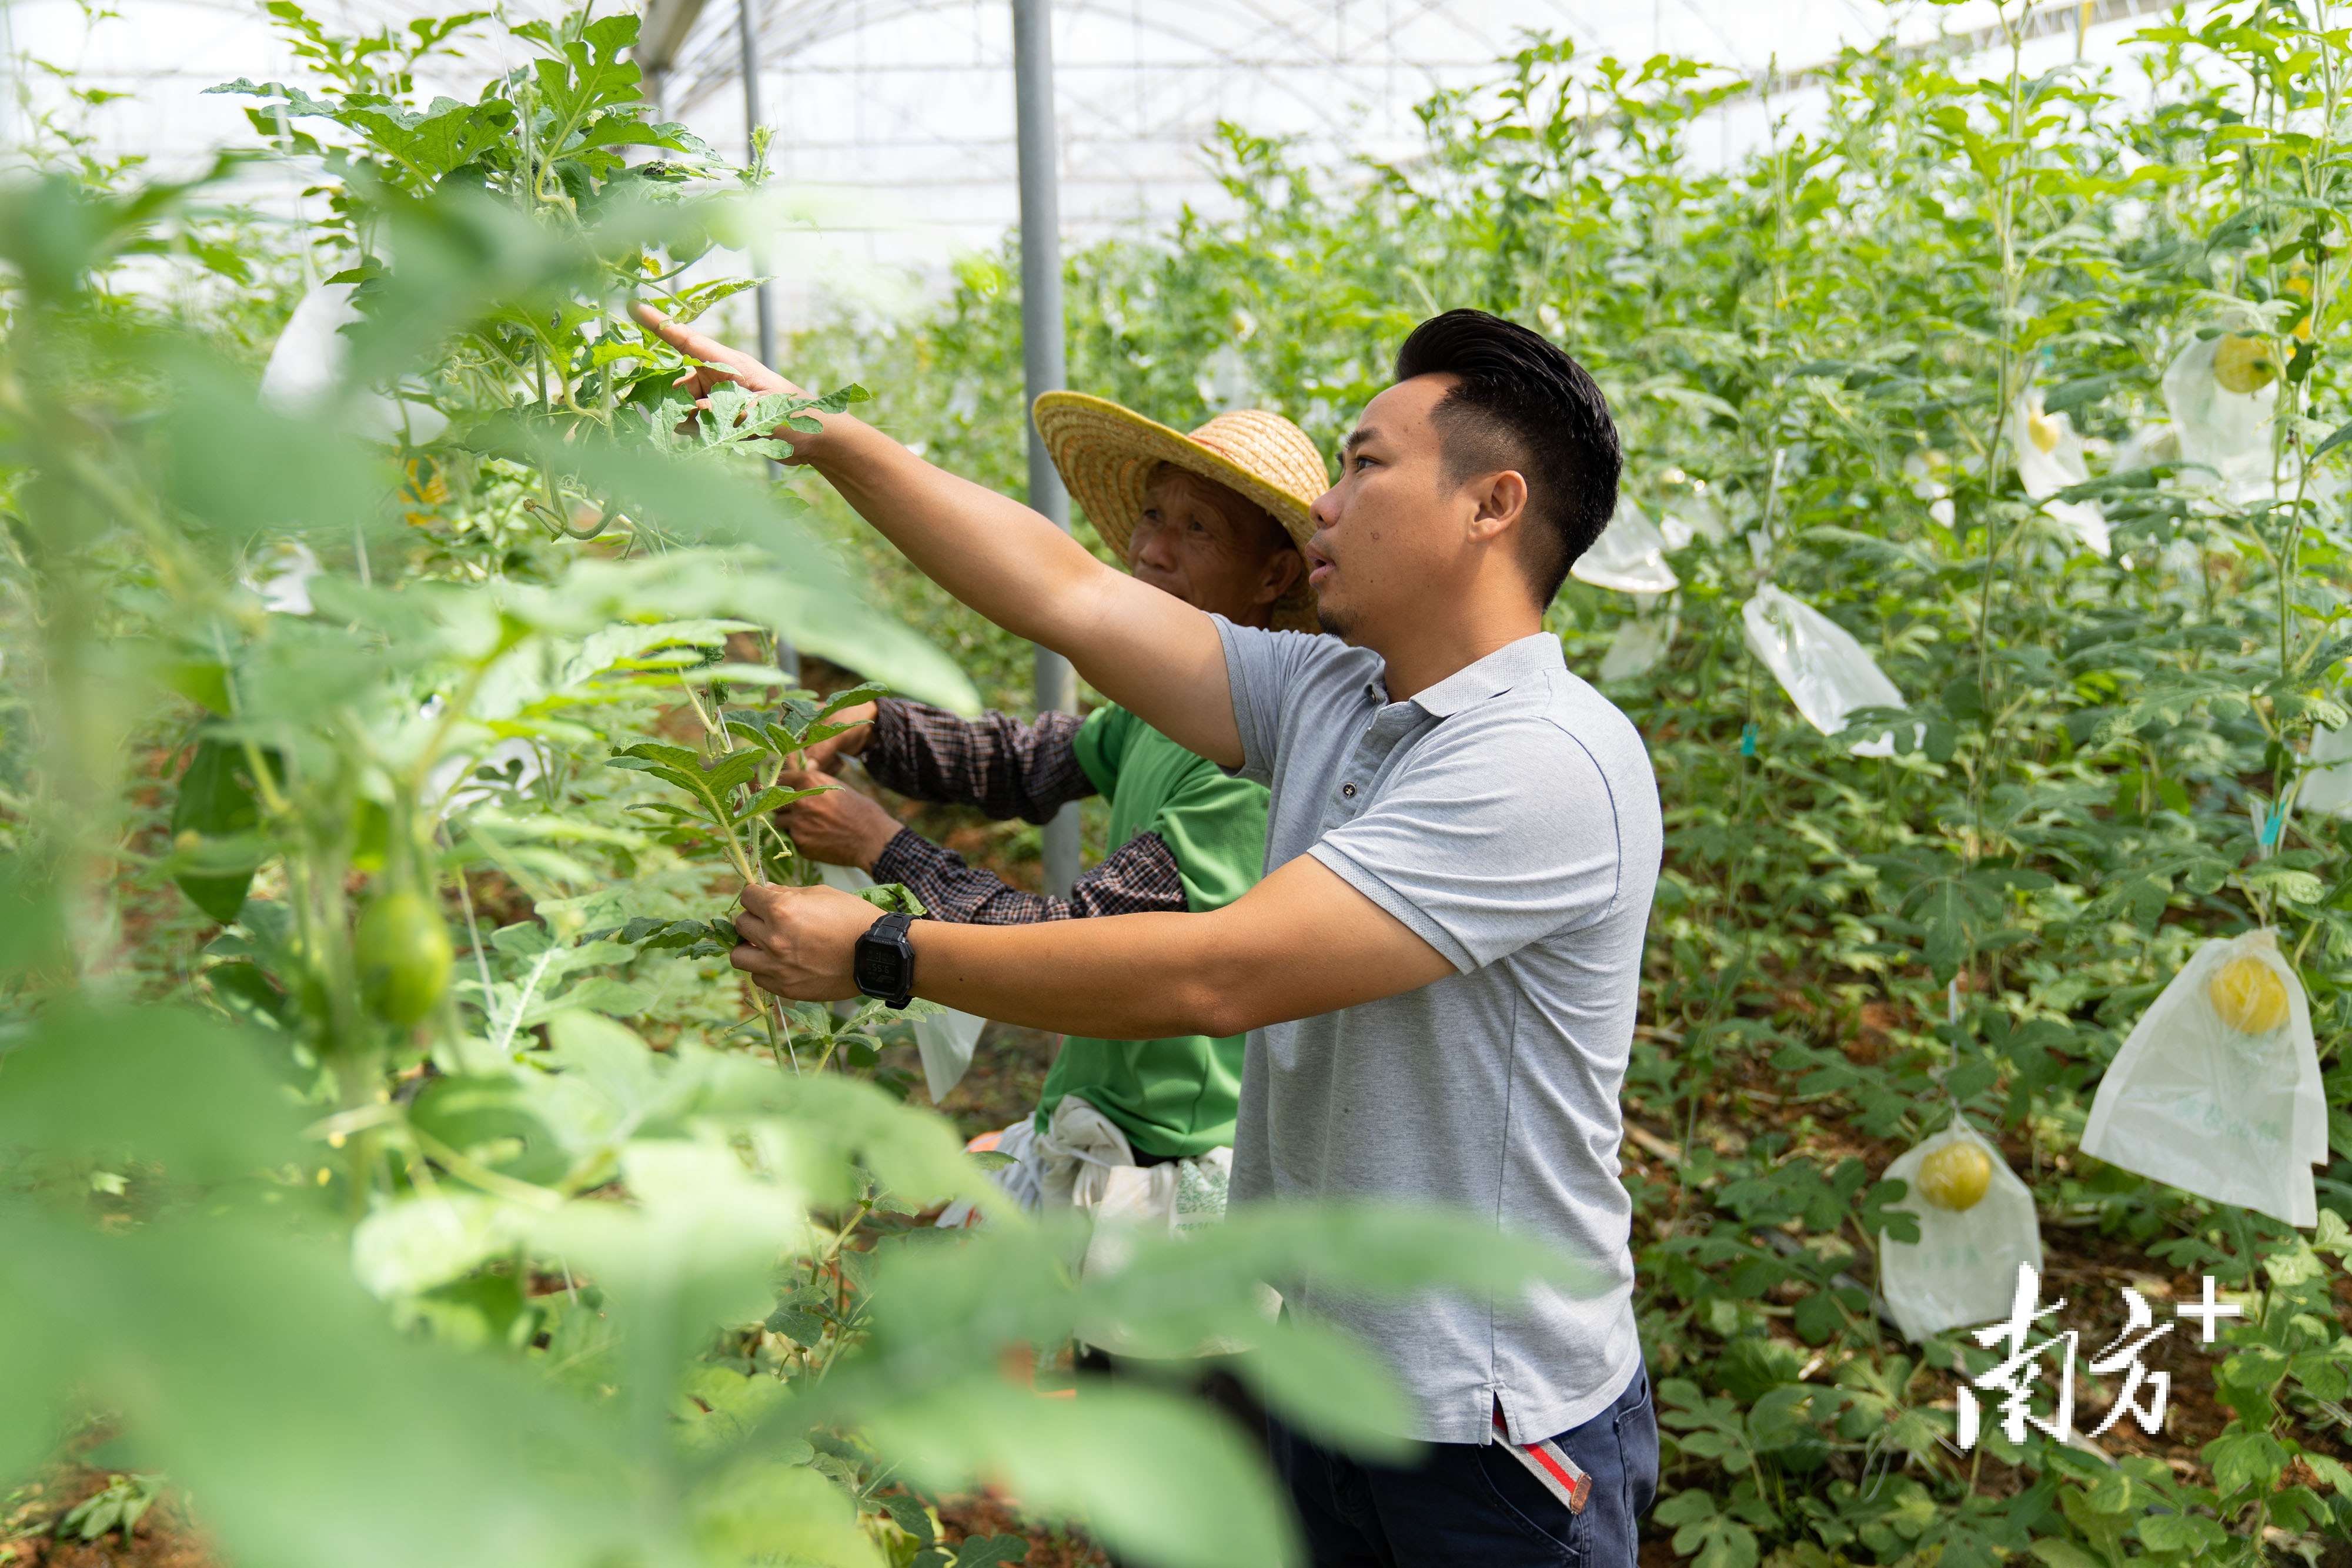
(894, 118)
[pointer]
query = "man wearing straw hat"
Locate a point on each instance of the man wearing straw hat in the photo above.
(1440, 970)
(1215, 519)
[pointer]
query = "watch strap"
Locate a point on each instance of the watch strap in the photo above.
(890, 932)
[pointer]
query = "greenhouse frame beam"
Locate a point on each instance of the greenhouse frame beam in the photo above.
(1043, 364)
(2060, 16)
(808, 25)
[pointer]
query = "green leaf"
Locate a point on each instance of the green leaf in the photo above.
(2336, 438)
(1136, 1461)
(2054, 1553)
(261, 1326)
(160, 1084)
(216, 801)
(2244, 1462)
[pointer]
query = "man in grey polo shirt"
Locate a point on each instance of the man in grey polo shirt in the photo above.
(1441, 969)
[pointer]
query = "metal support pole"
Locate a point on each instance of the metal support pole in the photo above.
(1042, 365)
(751, 41)
(765, 307)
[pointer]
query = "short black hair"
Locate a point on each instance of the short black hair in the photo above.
(1523, 403)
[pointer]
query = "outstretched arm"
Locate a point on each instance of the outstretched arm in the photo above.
(1301, 942)
(1146, 650)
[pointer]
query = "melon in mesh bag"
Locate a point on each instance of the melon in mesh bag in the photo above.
(2217, 1091)
(1977, 1224)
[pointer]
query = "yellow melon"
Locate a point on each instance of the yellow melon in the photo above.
(2248, 995)
(1956, 1176)
(2244, 364)
(2300, 286)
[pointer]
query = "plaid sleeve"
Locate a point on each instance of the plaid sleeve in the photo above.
(1139, 878)
(995, 762)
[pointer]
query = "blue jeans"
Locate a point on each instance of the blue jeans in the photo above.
(1465, 1506)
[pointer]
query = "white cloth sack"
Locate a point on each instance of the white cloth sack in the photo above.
(944, 1038)
(1083, 1162)
(308, 361)
(1818, 663)
(1629, 556)
(2228, 432)
(1963, 1268)
(2049, 458)
(2194, 1103)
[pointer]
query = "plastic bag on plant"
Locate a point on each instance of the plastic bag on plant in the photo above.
(1690, 511)
(1977, 1224)
(1924, 469)
(2217, 1089)
(2327, 779)
(2222, 393)
(280, 573)
(945, 1040)
(2049, 458)
(1818, 663)
(308, 362)
(1629, 556)
(2146, 447)
(1638, 646)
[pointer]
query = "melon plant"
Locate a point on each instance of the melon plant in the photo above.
(373, 1168)
(1842, 358)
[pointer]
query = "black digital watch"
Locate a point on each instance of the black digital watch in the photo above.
(884, 962)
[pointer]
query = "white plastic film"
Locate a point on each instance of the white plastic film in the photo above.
(1629, 556)
(2233, 1114)
(945, 1040)
(308, 362)
(1692, 513)
(2328, 778)
(1925, 469)
(2050, 458)
(1818, 663)
(1963, 1268)
(2228, 431)
(1638, 646)
(280, 573)
(2146, 447)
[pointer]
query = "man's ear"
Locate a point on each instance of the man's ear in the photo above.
(1502, 505)
(1283, 570)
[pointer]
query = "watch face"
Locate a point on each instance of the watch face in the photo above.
(877, 968)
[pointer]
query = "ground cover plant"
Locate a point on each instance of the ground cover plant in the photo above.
(392, 1170)
(1846, 365)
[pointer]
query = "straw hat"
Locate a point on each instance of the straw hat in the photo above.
(1107, 455)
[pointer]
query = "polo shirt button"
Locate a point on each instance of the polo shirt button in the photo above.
(1349, 790)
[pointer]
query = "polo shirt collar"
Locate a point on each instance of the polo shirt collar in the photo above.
(1534, 655)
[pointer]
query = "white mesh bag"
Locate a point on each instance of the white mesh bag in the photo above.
(2216, 1091)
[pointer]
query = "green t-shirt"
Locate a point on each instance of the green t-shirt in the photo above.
(1173, 1098)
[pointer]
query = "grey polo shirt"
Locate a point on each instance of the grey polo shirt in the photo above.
(1510, 817)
